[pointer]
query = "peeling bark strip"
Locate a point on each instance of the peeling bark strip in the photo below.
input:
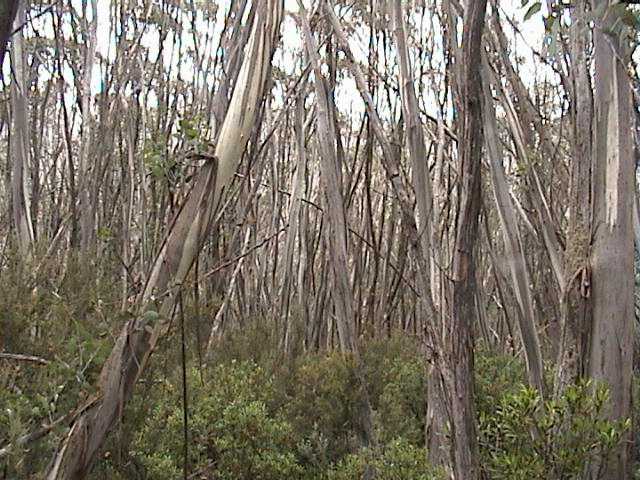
(513, 244)
(78, 450)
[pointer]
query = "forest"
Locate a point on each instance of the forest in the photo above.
(319, 239)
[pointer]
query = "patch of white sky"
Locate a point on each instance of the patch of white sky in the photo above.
(287, 57)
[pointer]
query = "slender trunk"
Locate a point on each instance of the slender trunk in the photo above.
(459, 374)
(435, 424)
(294, 225)
(87, 171)
(576, 305)
(20, 145)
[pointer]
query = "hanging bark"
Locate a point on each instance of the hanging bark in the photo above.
(612, 260)
(138, 338)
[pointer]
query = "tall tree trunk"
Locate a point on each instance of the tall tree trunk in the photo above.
(294, 232)
(436, 415)
(20, 144)
(576, 305)
(459, 374)
(336, 230)
(88, 172)
(139, 336)
(611, 346)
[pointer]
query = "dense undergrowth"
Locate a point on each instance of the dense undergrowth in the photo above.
(254, 414)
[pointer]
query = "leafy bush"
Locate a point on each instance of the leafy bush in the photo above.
(397, 460)
(233, 430)
(524, 437)
(400, 391)
(324, 397)
(59, 315)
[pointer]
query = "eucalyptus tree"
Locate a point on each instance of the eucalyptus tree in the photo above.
(460, 329)
(611, 280)
(139, 336)
(20, 141)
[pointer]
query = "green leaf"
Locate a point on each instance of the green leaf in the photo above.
(533, 9)
(150, 316)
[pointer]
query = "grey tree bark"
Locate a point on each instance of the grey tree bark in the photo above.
(576, 305)
(459, 348)
(20, 142)
(612, 259)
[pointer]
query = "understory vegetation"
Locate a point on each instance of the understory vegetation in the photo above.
(256, 414)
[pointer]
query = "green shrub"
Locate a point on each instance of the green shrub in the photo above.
(234, 431)
(324, 396)
(397, 460)
(523, 437)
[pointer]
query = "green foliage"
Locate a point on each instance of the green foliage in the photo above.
(397, 460)
(157, 161)
(396, 381)
(234, 431)
(532, 10)
(324, 397)
(61, 317)
(524, 437)
(257, 416)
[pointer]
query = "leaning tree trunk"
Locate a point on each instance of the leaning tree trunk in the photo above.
(612, 289)
(138, 338)
(459, 354)
(336, 234)
(512, 244)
